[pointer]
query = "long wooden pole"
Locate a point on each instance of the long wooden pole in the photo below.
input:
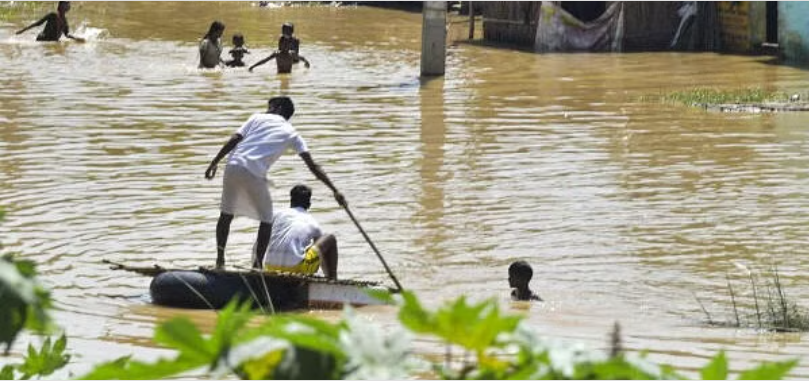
(376, 251)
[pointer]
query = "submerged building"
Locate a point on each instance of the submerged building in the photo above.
(745, 27)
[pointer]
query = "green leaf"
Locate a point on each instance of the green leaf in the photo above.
(123, 369)
(716, 369)
(45, 361)
(413, 316)
(23, 299)
(306, 364)
(181, 334)
(7, 373)
(302, 332)
(231, 321)
(472, 326)
(769, 371)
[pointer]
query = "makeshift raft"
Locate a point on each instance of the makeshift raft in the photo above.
(279, 291)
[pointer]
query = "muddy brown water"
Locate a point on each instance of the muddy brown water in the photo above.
(626, 209)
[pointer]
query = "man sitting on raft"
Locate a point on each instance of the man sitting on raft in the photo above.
(297, 244)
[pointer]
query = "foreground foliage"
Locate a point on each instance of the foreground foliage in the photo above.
(300, 347)
(24, 303)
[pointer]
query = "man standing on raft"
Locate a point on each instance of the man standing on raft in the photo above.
(255, 147)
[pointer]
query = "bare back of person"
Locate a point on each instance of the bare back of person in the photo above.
(284, 61)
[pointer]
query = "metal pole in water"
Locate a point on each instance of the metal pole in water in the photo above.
(433, 38)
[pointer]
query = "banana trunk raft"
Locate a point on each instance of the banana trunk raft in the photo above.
(213, 289)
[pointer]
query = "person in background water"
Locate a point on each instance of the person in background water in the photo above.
(210, 48)
(55, 25)
(297, 244)
(283, 57)
(288, 37)
(519, 275)
(255, 147)
(237, 52)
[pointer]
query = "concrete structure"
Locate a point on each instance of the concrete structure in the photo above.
(748, 26)
(793, 31)
(434, 38)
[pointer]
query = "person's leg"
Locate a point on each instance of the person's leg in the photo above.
(262, 241)
(222, 231)
(327, 245)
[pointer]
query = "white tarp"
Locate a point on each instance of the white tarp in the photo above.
(559, 31)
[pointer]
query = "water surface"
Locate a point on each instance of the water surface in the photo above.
(626, 209)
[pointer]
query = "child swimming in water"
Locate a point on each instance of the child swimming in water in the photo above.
(519, 275)
(284, 58)
(237, 52)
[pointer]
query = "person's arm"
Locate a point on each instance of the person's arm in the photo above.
(305, 62)
(38, 23)
(262, 62)
(226, 148)
(318, 172)
(70, 36)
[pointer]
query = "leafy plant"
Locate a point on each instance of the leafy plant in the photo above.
(293, 347)
(766, 306)
(701, 96)
(47, 360)
(24, 300)
(24, 303)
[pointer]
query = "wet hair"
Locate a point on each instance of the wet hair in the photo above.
(520, 271)
(238, 39)
(300, 195)
(215, 26)
(288, 26)
(282, 106)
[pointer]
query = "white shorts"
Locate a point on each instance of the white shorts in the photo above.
(244, 194)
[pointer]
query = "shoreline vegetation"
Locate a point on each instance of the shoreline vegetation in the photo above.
(764, 304)
(700, 96)
(748, 99)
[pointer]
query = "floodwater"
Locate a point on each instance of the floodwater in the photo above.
(626, 209)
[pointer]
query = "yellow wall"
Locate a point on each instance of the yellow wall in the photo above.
(734, 23)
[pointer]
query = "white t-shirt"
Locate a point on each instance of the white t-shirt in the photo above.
(266, 137)
(293, 230)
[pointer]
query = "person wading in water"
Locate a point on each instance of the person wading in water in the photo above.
(55, 25)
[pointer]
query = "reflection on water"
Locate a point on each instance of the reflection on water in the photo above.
(625, 209)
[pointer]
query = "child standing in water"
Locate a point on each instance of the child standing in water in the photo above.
(237, 52)
(288, 37)
(287, 53)
(210, 48)
(55, 25)
(519, 275)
